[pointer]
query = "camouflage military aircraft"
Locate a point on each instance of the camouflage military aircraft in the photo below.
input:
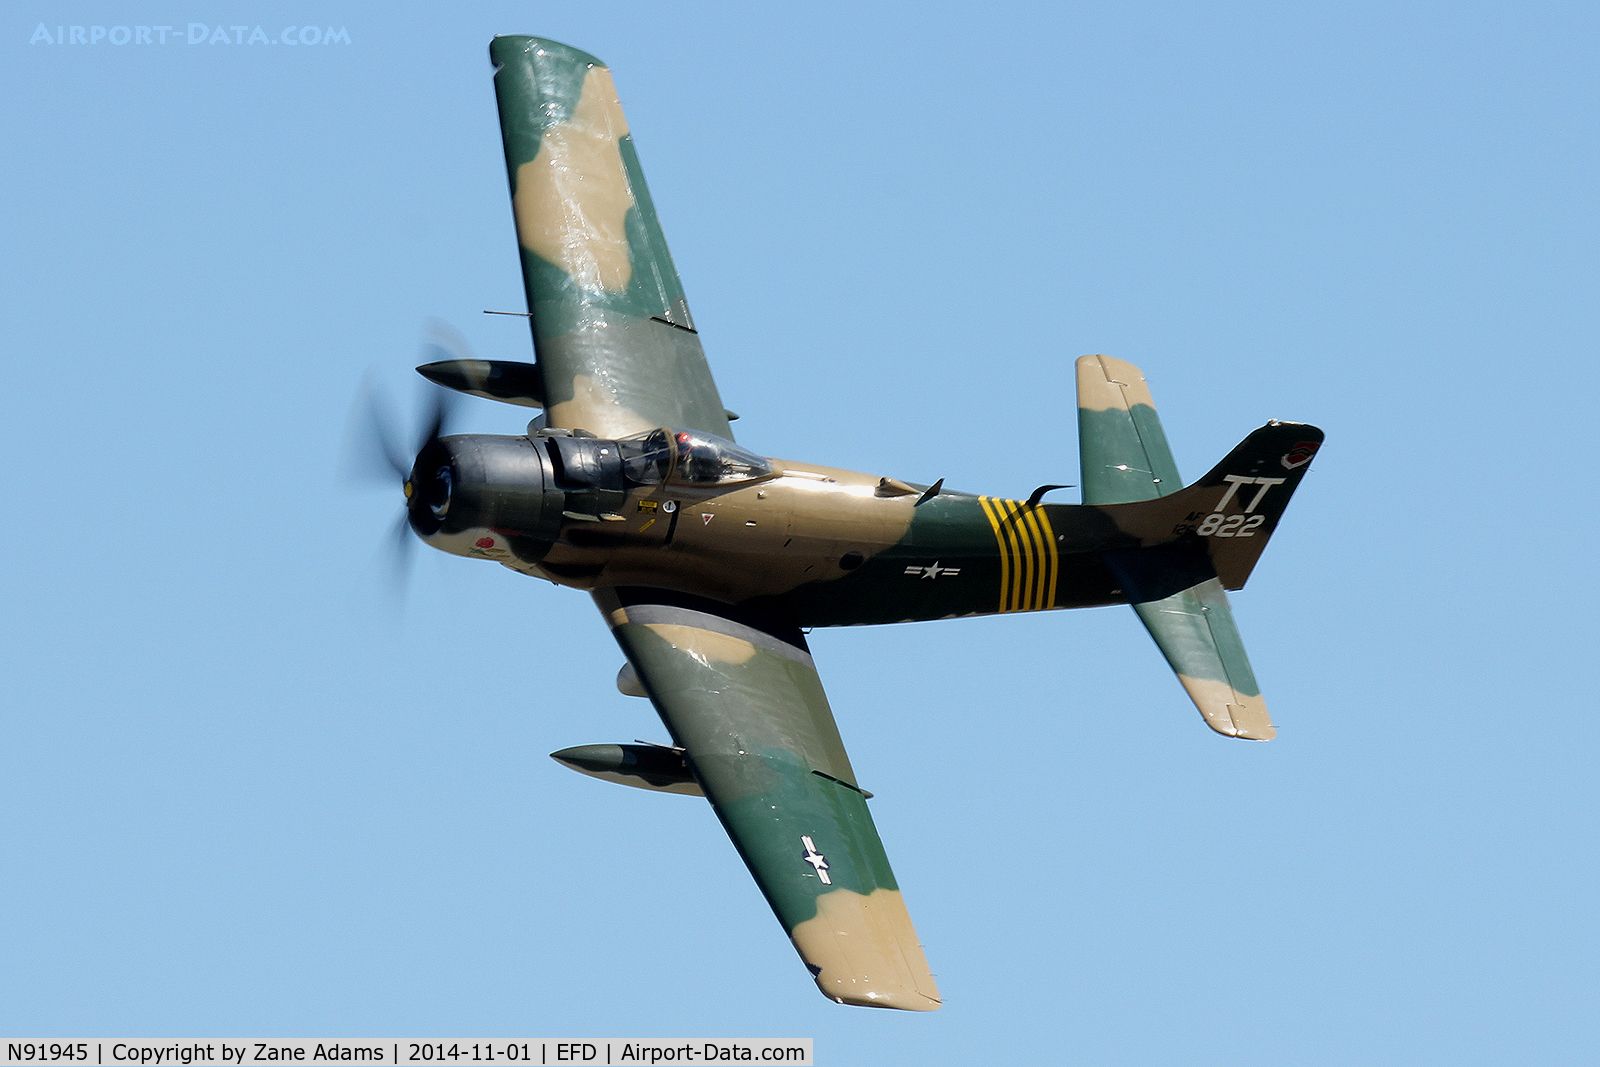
(708, 561)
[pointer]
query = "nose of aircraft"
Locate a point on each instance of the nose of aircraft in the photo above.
(478, 483)
(430, 488)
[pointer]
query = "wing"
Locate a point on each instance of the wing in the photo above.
(742, 697)
(617, 350)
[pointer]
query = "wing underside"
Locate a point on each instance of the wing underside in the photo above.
(617, 350)
(743, 699)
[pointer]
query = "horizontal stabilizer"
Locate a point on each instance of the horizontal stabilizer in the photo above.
(1198, 541)
(1195, 631)
(1123, 453)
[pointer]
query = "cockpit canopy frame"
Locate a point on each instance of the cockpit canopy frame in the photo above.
(670, 456)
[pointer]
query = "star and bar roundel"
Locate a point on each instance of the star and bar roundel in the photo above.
(1028, 565)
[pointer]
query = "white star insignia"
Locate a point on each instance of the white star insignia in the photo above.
(933, 570)
(814, 858)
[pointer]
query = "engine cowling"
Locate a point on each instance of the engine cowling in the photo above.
(471, 487)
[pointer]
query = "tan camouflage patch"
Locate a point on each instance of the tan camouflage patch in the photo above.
(1228, 711)
(704, 645)
(827, 505)
(572, 198)
(594, 407)
(868, 951)
(798, 526)
(1106, 384)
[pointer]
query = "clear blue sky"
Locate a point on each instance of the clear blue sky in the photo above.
(240, 796)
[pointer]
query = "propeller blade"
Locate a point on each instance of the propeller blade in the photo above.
(443, 406)
(375, 448)
(440, 342)
(373, 451)
(400, 551)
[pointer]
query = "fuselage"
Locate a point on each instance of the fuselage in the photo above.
(813, 545)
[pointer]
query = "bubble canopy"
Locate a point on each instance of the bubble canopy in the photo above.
(689, 457)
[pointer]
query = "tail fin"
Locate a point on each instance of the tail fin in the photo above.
(1230, 513)
(1197, 540)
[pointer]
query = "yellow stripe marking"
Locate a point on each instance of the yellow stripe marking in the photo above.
(1029, 564)
(1023, 598)
(991, 512)
(1030, 556)
(1022, 576)
(1025, 518)
(1053, 562)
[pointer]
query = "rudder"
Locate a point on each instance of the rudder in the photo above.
(1232, 511)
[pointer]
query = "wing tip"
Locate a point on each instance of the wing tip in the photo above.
(1246, 733)
(501, 46)
(1229, 712)
(1106, 383)
(896, 998)
(863, 951)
